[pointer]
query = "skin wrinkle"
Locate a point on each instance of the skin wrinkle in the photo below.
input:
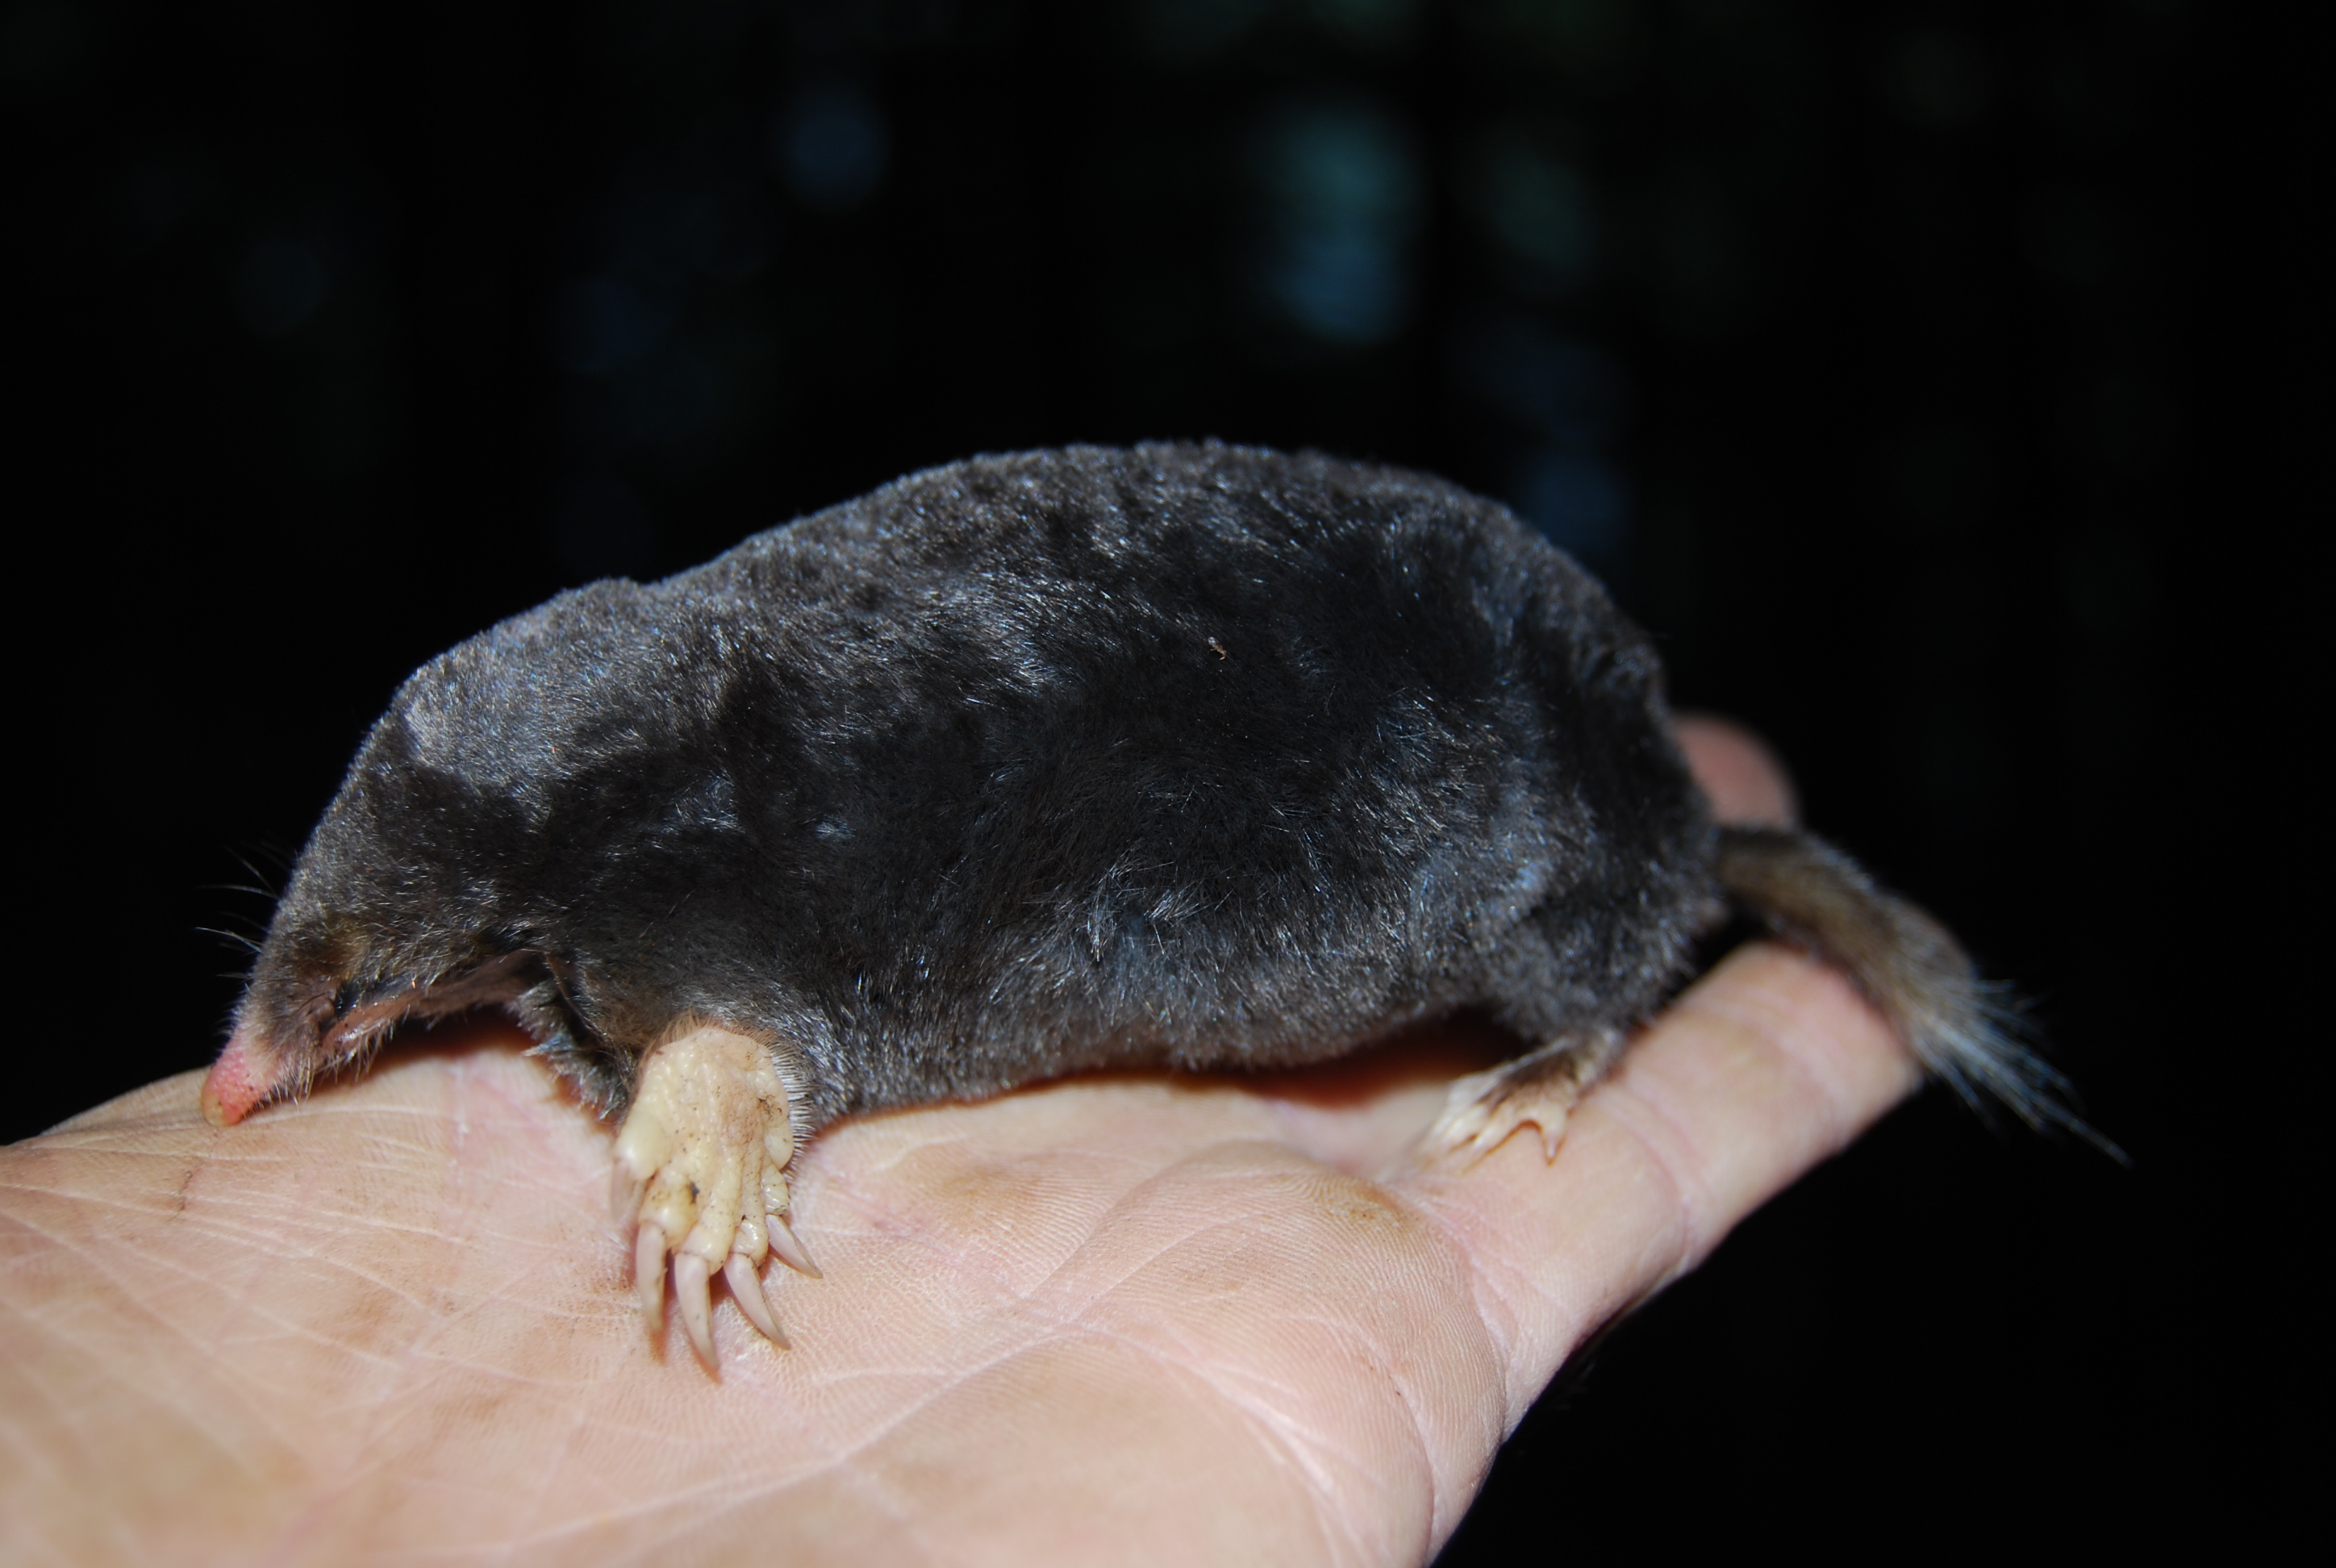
(1799, 1043)
(417, 1368)
(942, 1239)
(1305, 1447)
(1504, 1312)
(30, 1456)
(1286, 1432)
(67, 1411)
(1126, 1203)
(943, 1387)
(1796, 1051)
(898, 1513)
(1649, 1124)
(1442, 1517)
(1166, 1247)
(571, 1529)
(1769, 1021)
(1255, 1416)
(194, 1419)
(1274, 1436)
(1084, 1317)
(580, 1421)
(1279, 1432)
(62, 1409)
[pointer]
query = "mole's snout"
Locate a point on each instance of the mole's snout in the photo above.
(302, 1019)
(237, 1082)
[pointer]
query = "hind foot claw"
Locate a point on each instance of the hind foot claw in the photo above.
(701, 1172)
(1538, 1090)
(1481, 1110)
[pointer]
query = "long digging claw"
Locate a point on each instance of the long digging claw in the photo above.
(746, 1290)
(648, 1275)
(689, 1277)
(788, 1248)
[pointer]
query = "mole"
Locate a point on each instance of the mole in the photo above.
(1179, 756)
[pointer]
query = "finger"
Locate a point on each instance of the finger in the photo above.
(1747, 782)
(1767, 1066)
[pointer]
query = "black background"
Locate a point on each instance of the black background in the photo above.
(1924, 376)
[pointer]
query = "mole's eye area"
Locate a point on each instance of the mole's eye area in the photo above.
(353, 992)
(365, 1013)
(364, 1010)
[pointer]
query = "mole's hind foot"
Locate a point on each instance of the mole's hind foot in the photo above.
(701, 1170)
(1538, 1090)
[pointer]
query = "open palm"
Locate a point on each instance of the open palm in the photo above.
(1120, 1318)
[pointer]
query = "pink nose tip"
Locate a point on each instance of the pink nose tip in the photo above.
(232, 1089)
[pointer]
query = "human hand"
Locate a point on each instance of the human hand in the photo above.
(1125, 1318)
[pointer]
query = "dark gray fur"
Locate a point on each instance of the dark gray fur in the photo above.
(1186, 757)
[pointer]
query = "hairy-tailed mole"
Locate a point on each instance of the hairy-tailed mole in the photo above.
(1179, 756)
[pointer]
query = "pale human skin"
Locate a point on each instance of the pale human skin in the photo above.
(1128, 1319)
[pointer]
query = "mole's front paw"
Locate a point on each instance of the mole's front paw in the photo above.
(701, 1164)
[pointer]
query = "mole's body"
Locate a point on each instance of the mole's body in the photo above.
(1179, 756)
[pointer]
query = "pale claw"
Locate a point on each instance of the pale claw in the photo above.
(689, 1277)
(648, 1275)
(1537, 1090)
(746, 1290)
(1479, 1117)
(788, 1248)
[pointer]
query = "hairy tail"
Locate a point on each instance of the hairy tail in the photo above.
(1958, 1026)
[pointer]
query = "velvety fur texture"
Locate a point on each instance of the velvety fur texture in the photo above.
(1182, 755)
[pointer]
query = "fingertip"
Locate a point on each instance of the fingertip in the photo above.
(1745, 780)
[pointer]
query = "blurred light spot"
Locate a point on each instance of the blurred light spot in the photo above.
(1537, 208)
(598, 528)
(1566, 393)
(1179, 32)
(1936, 79)
(604, 324)
(1342, 193)
(830, 147)
(279, 284)
(1577, 499)
(1566, 400)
